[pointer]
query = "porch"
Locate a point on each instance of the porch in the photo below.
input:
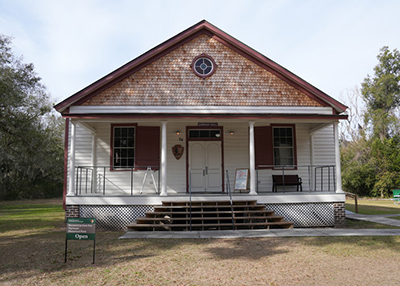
(117, 205)
(119, 194)
(145, 181)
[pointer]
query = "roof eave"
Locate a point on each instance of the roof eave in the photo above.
(199, 28)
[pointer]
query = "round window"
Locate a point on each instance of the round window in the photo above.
(203, 66)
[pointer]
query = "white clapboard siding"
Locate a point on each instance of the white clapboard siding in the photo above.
(176, 169)
(303, 161)
(324, 154)
(236, 149)
(236, 155)
(117, 182)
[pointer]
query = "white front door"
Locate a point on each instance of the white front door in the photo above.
(205, 169)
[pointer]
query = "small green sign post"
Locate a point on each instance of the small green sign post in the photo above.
(81, 229)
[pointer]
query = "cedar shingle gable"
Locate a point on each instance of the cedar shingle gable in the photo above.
(170, 81)
(244, 78)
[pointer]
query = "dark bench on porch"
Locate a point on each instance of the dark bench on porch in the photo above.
(286, 180)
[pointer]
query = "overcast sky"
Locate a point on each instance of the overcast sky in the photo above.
(72, 43)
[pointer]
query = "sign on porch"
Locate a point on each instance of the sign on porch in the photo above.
(206, 124)
(241, 180)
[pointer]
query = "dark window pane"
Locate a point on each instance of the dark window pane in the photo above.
(214, 133)
(131, 132)
(204, 134)
(117, 132)
(124, 162)
(124, 132)
(193, 134)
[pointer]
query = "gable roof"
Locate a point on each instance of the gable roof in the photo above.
(201, 28)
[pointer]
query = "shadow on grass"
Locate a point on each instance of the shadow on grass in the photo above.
(35, 248)
(30, 256)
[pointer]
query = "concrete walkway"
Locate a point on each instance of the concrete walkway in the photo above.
(382, 219)
(294, 232)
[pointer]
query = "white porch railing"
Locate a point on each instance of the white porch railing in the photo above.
(314, 178)
(115, 181)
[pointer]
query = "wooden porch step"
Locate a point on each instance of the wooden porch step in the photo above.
(207, 215)
(210, 203)
(210, 207)
(173, 219)
(263, 211)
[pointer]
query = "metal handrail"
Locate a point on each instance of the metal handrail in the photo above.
(230, 198)
(190, 200)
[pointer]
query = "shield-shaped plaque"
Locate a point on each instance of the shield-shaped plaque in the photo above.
(177, 150)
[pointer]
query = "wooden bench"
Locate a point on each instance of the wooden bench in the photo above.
(286, 180)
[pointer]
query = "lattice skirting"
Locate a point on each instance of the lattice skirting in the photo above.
(117, 217)
(114, 217)
(306, 214)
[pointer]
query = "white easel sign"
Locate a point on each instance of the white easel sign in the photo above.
(241, 179)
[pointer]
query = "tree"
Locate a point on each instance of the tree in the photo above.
(371, 161)
(382, 95)
(31, 151)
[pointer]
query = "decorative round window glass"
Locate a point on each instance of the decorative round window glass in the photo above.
(203, 66)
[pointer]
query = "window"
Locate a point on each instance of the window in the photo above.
(134, 146)
(283, 146)
(204, 134)
(275, 146)
(123, 147)
(203, 66)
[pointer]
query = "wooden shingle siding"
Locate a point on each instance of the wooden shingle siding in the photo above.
(170, 81)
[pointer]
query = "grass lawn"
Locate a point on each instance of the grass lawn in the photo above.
(32, 242)
(373, 206)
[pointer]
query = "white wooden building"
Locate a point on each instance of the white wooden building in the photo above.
(180, 119)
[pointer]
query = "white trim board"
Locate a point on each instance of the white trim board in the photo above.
(202, 109)
(156, 200)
